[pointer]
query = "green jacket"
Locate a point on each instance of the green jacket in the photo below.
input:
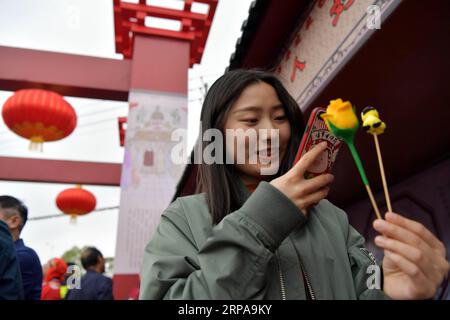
(256, 252)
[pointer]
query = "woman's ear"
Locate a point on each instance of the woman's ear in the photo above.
(14, 222)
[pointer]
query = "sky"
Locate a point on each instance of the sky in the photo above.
(86, 27)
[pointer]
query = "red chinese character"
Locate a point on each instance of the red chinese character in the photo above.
(320, 3)
(298, 65)
(309, 21)
(279, 70)
(297, 40)
(288, 55)
(337, 8)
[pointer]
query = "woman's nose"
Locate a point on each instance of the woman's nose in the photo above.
(268, 136)
(267, 124)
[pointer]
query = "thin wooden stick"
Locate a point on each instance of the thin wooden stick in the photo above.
(372, 200)
(363, 177)
(383, 177)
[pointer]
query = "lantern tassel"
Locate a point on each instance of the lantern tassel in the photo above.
(73, 219)
(36, 144)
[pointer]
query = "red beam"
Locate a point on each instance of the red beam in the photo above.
(67, 74)
(60, 171)
(180, 35)
(161, 12)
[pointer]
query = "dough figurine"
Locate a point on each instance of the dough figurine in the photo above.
(342, 121)
(372, 124)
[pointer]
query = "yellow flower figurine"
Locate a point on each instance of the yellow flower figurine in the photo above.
(341, 119)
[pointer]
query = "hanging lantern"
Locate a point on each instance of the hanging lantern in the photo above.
(39, 116)
(76, 202)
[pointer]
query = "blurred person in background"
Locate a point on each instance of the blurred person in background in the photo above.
(11, 287)
(55, 272)
(94, 285)
(15, 214)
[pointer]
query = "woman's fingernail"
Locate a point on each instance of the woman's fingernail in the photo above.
(378, 224)
(379, 239)
(391, 215)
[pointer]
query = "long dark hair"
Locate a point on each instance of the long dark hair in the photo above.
(220, 182)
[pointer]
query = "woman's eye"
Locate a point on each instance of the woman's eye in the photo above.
(280, 118)
(252, 121)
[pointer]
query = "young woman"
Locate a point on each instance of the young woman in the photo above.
(254, 236)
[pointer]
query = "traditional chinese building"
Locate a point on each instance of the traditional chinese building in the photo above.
(390, 54)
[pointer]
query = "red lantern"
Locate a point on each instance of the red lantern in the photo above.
(39, 116)
(76, 202)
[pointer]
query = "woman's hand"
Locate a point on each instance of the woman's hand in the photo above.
(304, 193)
(414, 264)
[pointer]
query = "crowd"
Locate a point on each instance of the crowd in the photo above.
(23, 277)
